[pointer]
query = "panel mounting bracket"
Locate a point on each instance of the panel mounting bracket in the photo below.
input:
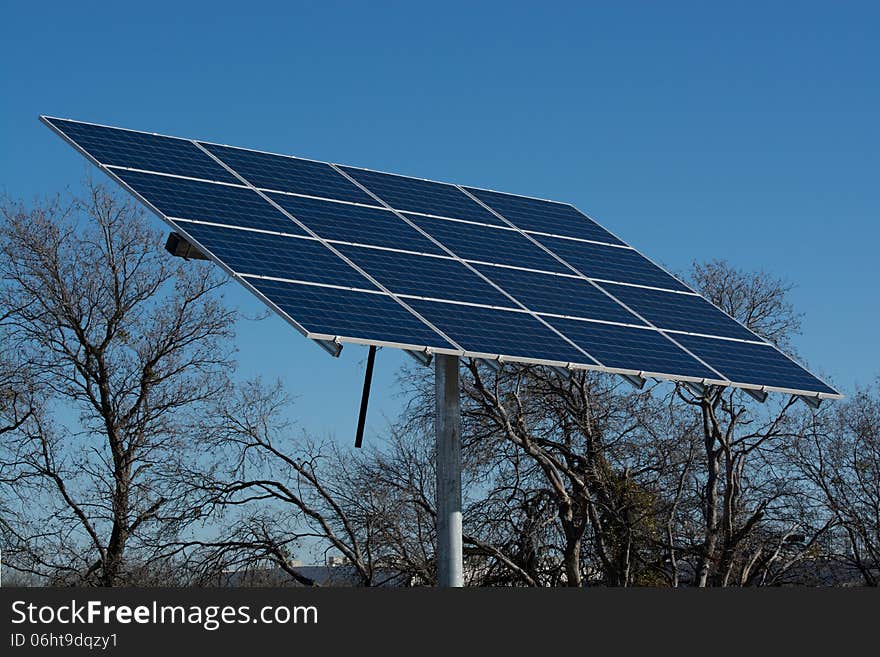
(812, 402)
(759, 396)
(332, 347)
(636, 381)
(178, 246)
(564, 372)
(421, 356)
(492, 364)
(697, 389)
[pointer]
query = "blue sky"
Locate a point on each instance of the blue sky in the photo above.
(745, 132)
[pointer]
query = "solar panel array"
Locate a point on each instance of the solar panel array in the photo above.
(348, 254)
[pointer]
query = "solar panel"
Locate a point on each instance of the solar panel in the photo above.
(356, 316)
(611, 263)
(678, 312)
(568, 296)
(195, 200)
(356, 224)
(423, 196)
(425, 276)
(548, 217)
(287, 174)
(276, 256)
(749, 362)
(352, 255)
(141, 150)
(489, 331)
(494, 244)
(641, 351)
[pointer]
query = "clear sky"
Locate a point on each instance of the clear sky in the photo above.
(745, 131)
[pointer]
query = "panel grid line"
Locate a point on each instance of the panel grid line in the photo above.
(334, 250)
(363, 205)
(472, 304)
(297, 281)
(474, 261)
(598, 287)
(762, 340)
(379, 247)
(471, 268)
(178, 176)
(386, 207)
(293, 322)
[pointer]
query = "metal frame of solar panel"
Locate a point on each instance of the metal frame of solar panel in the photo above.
(346, 254)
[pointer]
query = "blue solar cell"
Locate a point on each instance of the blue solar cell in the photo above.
(679, 312)
(487, 244)
(417, 195)
(611, 263)
(544, 216)
(202, 201)
(290, 174)
(347, 313)
(425, 276)
(141, 150)
(355, 223)
(297, 258)
(560, 295)
(643, 350)
(746, 362)
(507, 332)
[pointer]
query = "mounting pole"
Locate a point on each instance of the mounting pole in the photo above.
(447, 424)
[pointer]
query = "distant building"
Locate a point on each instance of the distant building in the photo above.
(337, 572)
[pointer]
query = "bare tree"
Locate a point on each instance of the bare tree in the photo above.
(585, 482)
(745, 493)
(558, 494)
(122, 435)
(19, 402)
(125, 346)
(18, 394)
(758, 299)
(838, 452)
(569, 480)
(288, 490)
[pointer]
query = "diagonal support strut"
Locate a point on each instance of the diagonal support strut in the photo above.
(365, 397)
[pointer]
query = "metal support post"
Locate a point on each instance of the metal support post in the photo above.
(447, 424)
